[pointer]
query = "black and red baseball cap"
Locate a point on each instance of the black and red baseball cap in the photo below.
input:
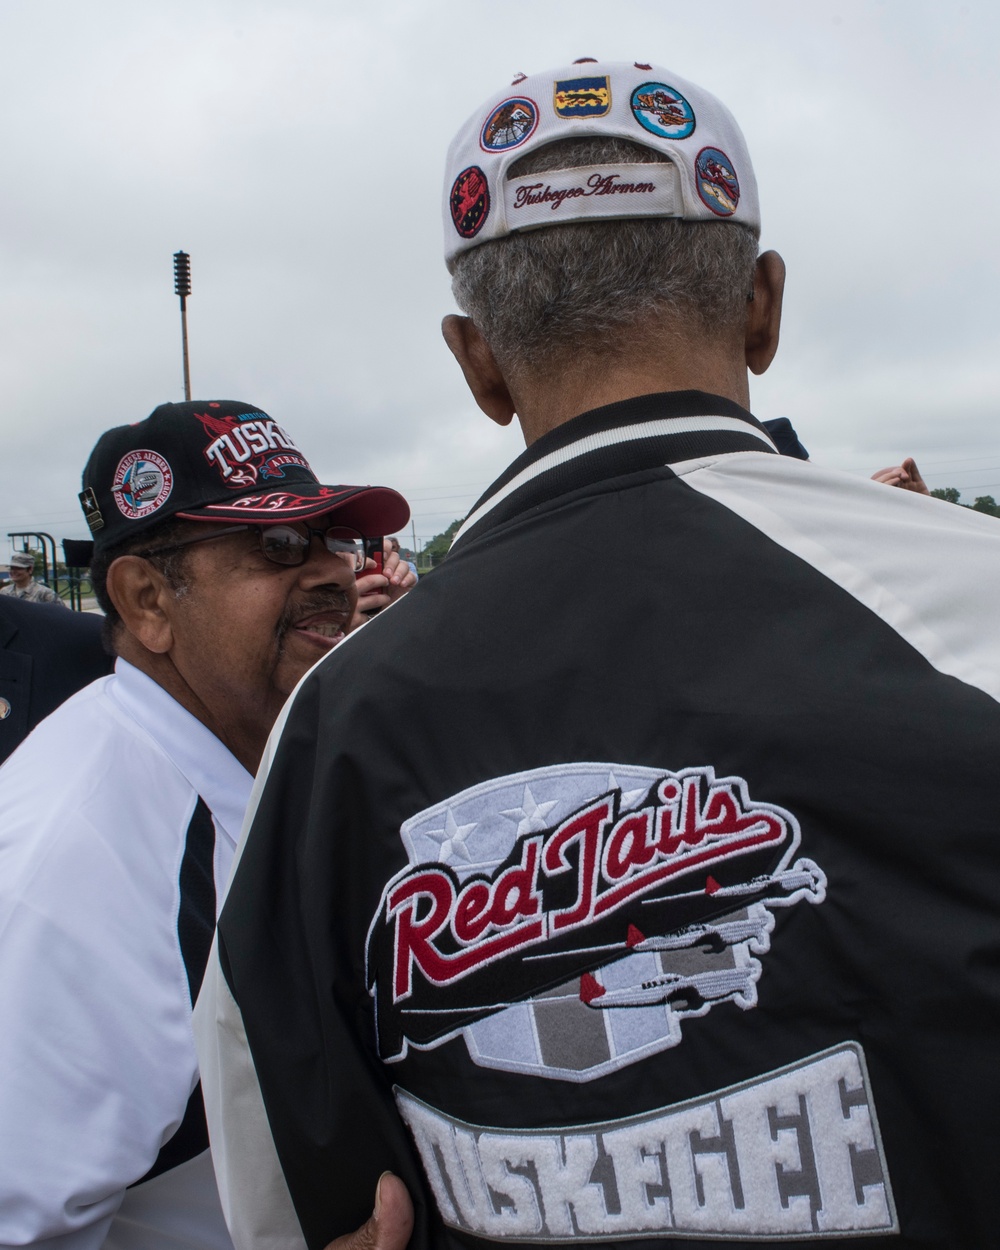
(217, 460)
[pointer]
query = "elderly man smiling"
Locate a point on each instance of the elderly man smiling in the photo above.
(226, 569)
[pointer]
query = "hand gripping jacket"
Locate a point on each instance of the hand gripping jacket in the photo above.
(636, 879)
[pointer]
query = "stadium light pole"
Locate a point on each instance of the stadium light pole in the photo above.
(182, 286)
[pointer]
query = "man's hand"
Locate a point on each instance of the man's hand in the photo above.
(378, 590)
(390, 1224)
(906, 476)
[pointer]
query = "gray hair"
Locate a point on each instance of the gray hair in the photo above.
(537, 294)
(172, 566)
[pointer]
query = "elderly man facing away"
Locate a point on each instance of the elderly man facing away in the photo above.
(655, 909)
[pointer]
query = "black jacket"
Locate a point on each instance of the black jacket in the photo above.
(637, 877)
(46, 654)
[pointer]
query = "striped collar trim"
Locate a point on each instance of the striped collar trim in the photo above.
(615, 436)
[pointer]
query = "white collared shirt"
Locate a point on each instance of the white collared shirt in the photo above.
(96, 1050)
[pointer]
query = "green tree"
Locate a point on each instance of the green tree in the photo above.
(438, 546)
(984, 503)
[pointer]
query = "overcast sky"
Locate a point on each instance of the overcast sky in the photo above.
(296, 149)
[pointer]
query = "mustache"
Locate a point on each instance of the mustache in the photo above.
(332, 600)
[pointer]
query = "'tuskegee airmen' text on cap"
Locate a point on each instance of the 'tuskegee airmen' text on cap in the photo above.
(217, 460)
(708, 178)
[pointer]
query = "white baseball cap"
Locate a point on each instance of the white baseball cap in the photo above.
(709, 176)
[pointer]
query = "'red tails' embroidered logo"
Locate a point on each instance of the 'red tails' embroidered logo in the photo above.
(536, 904)
(717, 183)
(249, 448)
(469, 201)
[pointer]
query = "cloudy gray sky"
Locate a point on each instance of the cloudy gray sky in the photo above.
(295, 149)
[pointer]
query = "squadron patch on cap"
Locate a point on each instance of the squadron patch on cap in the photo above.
(511, 123)
(470, 201)
(142, 483)
(662, 110)
(582, 97)
(717, 183)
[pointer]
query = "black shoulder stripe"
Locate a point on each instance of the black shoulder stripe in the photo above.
(196, 915)
(195, 927)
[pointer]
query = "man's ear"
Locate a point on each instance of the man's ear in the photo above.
(482, 373)
(143, 601)
(764, 312)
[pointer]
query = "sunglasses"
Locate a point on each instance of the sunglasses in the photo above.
(286, 544)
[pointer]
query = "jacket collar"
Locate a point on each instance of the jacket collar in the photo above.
(648, 432)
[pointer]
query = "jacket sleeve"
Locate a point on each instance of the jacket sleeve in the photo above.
(255, 1198)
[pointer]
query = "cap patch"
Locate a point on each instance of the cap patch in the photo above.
(91, 510)
(142, 484)
(582, 97)
(470, 201)
(510, 123)
(248, 447)
(662, 110)
(717, 183)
